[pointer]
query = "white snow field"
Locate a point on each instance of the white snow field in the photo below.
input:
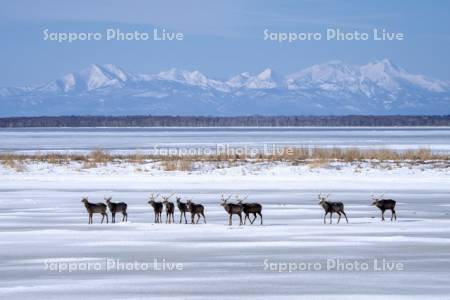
(44, 232)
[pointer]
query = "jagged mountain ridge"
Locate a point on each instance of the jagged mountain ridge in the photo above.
(332, 88)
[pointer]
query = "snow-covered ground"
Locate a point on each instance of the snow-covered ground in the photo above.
(43, 227)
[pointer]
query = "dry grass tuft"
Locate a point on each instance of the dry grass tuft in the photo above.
(15, 162)
(177, 165)
(99, 156)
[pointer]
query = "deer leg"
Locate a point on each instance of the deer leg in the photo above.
(382, 215)
(260, 215)
(392, 215)
(254, 218)
(324, 217)
(204, 219)
(103, 217)
(185, 218)
(90, 219)
(181, 217)
(240, 219)
(345, 216)
(339, 219)
(230, 222)
(395, 214)
(331, 215)
(107, 221)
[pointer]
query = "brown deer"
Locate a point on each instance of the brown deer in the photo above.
(196, 209)
(385, 204)
(183, 209)
(331, 207)
(120, 207)
(232, 209)
(95, 208)
(250, 208)
(157, 207)
(170, 208)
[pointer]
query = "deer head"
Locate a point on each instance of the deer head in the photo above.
(166, 198)
(322, 199)
(152, 198)
(84, 199)
(224, 200)
(376, 199)
(107, 199)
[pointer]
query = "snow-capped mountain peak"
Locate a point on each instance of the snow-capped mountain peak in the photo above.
(188, 77)
(267, 79)
(392, 78)
(92, 77)
(239, 80)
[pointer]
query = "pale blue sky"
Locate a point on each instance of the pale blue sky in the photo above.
(222, 38)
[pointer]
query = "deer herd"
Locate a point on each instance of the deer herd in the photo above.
(239, 208)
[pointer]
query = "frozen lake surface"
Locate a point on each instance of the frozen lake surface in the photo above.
(146, 139)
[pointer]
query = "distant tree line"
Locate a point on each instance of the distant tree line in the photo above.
(186, 121)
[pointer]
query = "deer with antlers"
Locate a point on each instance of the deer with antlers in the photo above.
(170, 208)
(120, 207)
(196, 210)
(95, 208)
(157, 207)
(232, 209)
(183, 209)
(331, 207)
(250, 208)
(383, 205)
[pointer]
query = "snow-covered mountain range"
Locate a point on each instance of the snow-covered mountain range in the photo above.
(331, 88)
